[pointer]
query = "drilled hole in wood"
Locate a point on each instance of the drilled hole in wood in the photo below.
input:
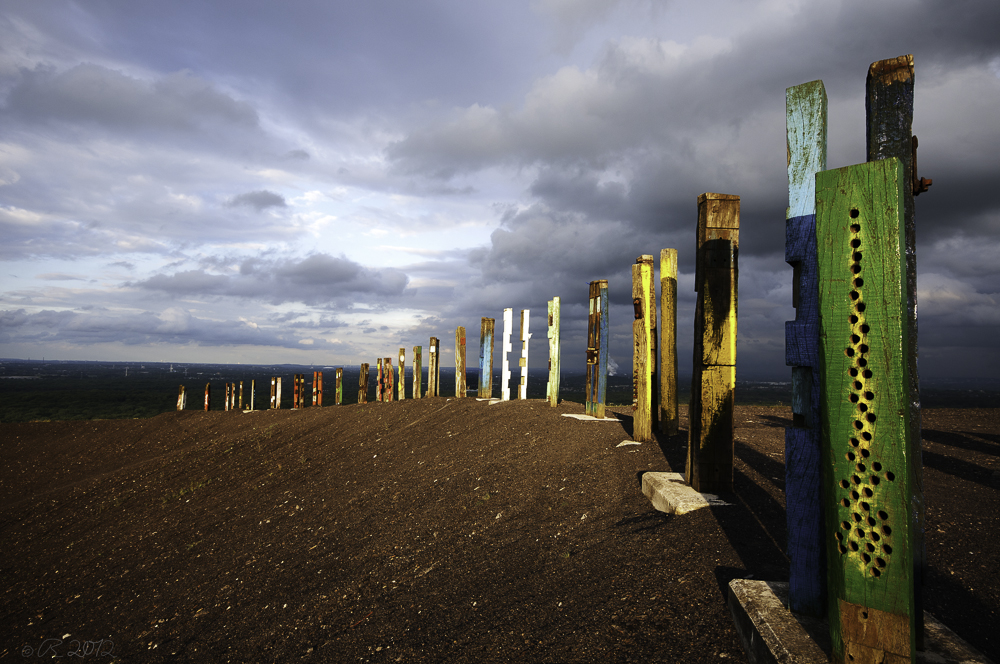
(865, 557)
(862, 407)
(856, 517)
(875, 536)
(889, 475)
(886, 530)
(845, 484)
(856, 269)
(868, 492)
(869, 396)
(865, 506)
(855, 228)
(860, 307)
(856, 256)
(855, 495)
(855, 398)
(855, 338)
(865, 453)
(876, 572)
(867, 436)
(863, 348)
(865, 329)
(854, 372)
(855, 243)
(860, 534)
(850, 456)
(867, 373)
(849, 352)
(876, 466)
(839, 536)
(854, 213)
(845, 525)
(842, 548)
(860, 467)
(855, 295)
(845, 502)
(862, 362)
(857, 384)
(870, 547)
(855, 479)
(882, 515)
(880, 562)
(870, 417)
(871, 522)
(859, 282)
(887, 548)
(874, 480)
(854, 443)
(854, 546)
(858, 424)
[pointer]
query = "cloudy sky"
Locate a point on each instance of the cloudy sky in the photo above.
(323, 182)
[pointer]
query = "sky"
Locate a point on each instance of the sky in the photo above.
(324, 182)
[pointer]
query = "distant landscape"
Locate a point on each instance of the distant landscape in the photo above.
(38, 390)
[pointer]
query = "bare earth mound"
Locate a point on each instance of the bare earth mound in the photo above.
(432, 530)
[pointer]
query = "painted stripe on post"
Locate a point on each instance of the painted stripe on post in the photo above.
(486, 358)
(508, 323)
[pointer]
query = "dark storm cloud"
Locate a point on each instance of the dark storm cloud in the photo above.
(316, 279)
(258, 200)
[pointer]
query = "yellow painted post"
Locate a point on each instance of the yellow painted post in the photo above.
(713, 383)
(460, 362)
(642, 393)
(654, 353)
(668, 342)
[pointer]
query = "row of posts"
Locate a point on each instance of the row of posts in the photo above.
(238, 399)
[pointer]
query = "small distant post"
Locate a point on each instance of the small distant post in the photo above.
(241, 395)
(277, 393)
(486, 358)
(508, 323)
(597, 349)
(402, 374)
(181, 398)
(390, 379)
(525, 338)
(338, 397)
(418, 371)
(552, 388)
(434, 370)
(379, 380)
(668, 342)
(208, 396)
(460, 362)
(713, 384)
(642, 393)
(225, 404)
(274, 382)
(253, 391)
(363, 384)
(296, 391)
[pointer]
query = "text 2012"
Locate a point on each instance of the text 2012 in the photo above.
(72, 648)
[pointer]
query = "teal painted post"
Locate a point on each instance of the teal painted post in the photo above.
(805, 127)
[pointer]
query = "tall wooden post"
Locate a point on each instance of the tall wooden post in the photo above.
(277, 393)
(181, 398)
(508, 323)
(864, 412)
(225, 403)
(713, 384)
(338, 398)
(402, 374)
(525, 338)
(654, 348)
(241, 396)
(390, 380)
(274, 380)
(208, 396)
(418, 371)
(296, 391)
(597, 349)
(434, 369)
(552, 387)
(318, 388)
(805, 127)
(253, 392)
(379, 380)
(889, 110)
(668, 342)
(363, 384)
(486, 358)
(642, 393)
(460, 362)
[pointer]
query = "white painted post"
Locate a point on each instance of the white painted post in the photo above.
(508, 322)
(525, 337)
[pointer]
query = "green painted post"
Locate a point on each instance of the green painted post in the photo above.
(864, 411)
(552, 387)
(642, 392)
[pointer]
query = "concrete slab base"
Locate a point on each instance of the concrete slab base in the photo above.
(771, 633)
(671, 494)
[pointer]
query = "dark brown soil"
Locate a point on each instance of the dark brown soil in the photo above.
(432, 530)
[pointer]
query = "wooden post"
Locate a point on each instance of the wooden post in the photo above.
(597, 349)
(253, 391)
(402, 374)
(654, 353)
(390, 380)
(181, 398)
(434, 369)
(418, 371)
(225, 403)
(318, 388)
(363, 384)
(889, 110)
(460, 376)
(379, 380)
(713, 384)
(338, 398)
(552, 387)
(208, 396)
(668, 342)
(805, 128)
(864, 411)
(277, 393)
(642, 394)
(508, 323)
(273, 384)
(525, 338)
(486, 358)
(241, 396)
(296, 391)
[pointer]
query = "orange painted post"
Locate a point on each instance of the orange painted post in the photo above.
(460, 362)
(274, 382)
(296, 391)
(208, 396)
(318, 389)
(642, 393)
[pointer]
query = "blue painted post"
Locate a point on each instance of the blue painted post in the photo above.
(805, 118)
(486, 358)
(597, 349)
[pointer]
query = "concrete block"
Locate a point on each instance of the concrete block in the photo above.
(671, 494)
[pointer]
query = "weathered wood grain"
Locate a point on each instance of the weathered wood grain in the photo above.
(434, 369)
(338, 399)
(861, 256)
(363, 384)
(642, 394)
(402, 374)
(889, 110)
(713, 382)
(805, 130)
(508, 323)
(181, 398)
(668, 406)
(597, 349)
(486, 358)
(460, 377)
(552, 387)
(418, 371)
(389, 378)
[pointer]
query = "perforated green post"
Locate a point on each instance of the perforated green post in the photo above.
(864, 411)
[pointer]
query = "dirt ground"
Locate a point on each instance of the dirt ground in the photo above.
(424, 531)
